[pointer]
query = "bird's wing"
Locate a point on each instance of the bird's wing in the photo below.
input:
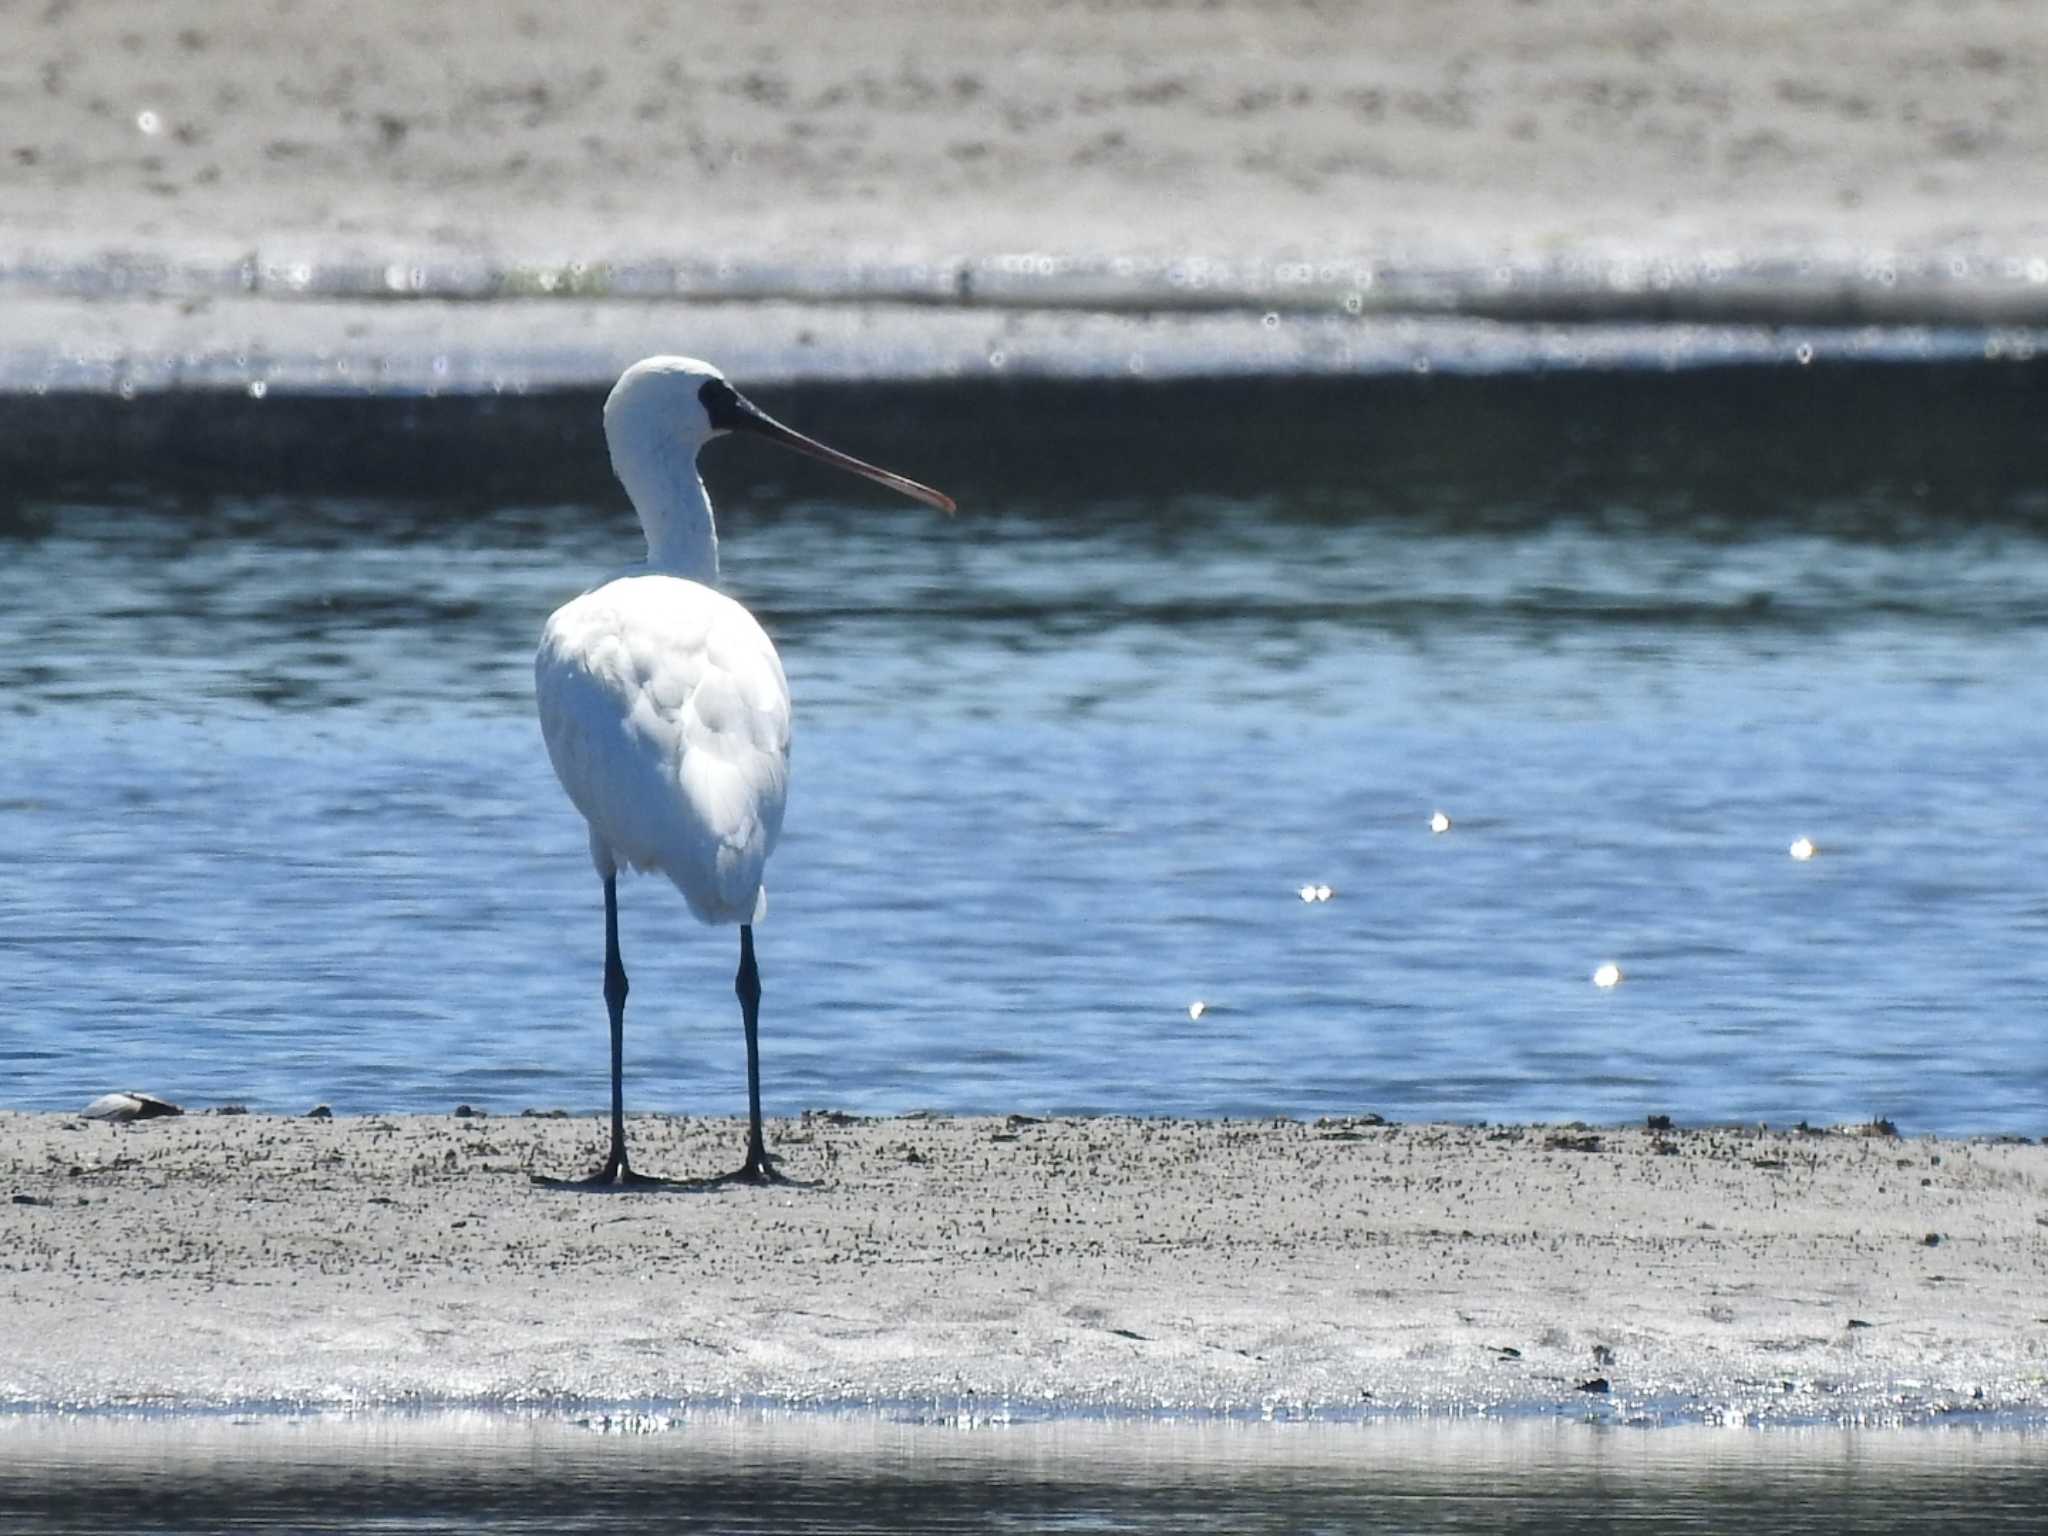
(666, 715)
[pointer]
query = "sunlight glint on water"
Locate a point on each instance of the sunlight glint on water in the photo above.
(280, 827)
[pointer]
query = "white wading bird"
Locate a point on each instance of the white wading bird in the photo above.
(664, 705)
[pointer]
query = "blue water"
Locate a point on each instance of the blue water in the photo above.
(276, 825)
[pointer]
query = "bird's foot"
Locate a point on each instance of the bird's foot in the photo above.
(615, 1176)
(759, 1168)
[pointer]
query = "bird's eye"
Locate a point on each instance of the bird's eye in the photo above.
(721, 403)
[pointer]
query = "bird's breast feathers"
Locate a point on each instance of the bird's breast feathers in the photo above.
(666, 716)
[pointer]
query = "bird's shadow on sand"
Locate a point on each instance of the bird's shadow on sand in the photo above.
(648, 1184)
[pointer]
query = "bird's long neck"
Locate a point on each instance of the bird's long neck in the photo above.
(674, 512)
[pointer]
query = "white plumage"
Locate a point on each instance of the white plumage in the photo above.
(664, 705)
(667, 719)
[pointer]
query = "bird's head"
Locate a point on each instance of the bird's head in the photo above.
(684, 401)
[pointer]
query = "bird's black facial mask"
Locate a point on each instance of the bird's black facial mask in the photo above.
(723, 404)
(730, 411)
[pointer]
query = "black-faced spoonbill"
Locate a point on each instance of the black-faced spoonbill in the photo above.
(664, 705)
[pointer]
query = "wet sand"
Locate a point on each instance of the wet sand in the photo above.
(987, 1266)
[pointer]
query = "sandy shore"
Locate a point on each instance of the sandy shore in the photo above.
(932, 126)
(1572, 160)
(983, 1264)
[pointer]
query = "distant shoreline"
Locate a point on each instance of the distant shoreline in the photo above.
(1418, 138)
(1086, 1266)
(1957, 286)
(1563, 165)
(344, 345)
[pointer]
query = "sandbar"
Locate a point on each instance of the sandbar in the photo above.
(1694, 162)
(1019, 1266)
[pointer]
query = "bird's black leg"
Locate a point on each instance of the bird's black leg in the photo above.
(615, 990)
(616, 1171)
(759, 1167)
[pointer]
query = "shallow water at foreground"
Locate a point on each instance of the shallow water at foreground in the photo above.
(857, 1473)
(281, 829)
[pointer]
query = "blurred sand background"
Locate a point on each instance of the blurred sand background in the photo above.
(1875, 137)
